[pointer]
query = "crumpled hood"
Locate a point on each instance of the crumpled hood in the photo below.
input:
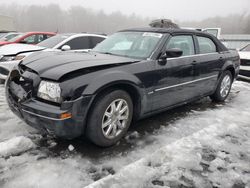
(54, 65)
(15, 49)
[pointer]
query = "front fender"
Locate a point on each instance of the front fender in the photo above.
(110, 78)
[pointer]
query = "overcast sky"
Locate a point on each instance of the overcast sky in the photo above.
(183, 10)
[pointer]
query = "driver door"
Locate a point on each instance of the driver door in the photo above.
(174, 79)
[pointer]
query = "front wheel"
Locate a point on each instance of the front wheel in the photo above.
(223, 89)
(109, 118)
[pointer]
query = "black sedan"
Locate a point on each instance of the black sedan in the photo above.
(131, 75)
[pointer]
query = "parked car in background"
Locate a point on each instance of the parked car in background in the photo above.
(130, 75)
(245, 63)
(73, 41)
(12, 54)
(8, 36)
(29, 38)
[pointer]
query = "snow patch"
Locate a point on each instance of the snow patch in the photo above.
(15, 146)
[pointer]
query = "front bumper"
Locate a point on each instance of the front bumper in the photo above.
(47, 117)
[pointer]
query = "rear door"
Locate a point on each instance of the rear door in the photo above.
(174, 83)
(209, 64)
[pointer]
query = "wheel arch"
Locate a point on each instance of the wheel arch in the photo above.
(127, 86)
(229, 66)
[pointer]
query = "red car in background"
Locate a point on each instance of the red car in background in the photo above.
(29, 38)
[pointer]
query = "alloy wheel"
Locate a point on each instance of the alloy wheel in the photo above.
(115, 118)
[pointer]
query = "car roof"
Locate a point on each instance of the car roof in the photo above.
(164, 30)
(39, 32)
(80, 34)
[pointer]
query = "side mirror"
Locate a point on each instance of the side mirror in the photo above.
(170, 53)
(65, 48)
(163, 59)
(174, 52)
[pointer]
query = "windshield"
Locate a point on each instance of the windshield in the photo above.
(8, 36)
(246, 48)
(15, 38)
(53, 41)
(2, 34)
(130, 44)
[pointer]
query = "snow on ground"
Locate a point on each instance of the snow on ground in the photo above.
(203, 148)
(10, 125)
(15, 146)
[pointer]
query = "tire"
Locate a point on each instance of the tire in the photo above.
(104, 121)
(219, 95)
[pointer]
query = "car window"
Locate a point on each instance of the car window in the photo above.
(9, 36)
(206, 45)
(16, 37)
(182, 42)
(53, 41)
(95, 40)
(79, 43)
(130, 44)
(30, 39)
(246, 48)
(34, 39)
(41, 38)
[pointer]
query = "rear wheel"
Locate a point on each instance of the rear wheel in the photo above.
(223, 89)
(109, 118)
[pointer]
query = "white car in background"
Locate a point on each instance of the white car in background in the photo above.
(12, 54)
(8, 36)
(245, 63)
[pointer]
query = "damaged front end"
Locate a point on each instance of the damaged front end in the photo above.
(20, 88)
(21, 94)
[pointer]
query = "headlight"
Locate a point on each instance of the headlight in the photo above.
(19, 57)
(7, 58)
(50, 91)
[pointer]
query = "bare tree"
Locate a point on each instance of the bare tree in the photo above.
(80, 19)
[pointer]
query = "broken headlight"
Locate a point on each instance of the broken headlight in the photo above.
(7, 58)
(50, 91)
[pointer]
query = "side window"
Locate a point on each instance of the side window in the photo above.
(206, 45)
(40, 38)
(79, 43)
(182, 42)
(34, 39)
(29, 40)
(95, 41)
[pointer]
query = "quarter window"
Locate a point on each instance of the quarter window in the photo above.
(206, 45)
(182, 42)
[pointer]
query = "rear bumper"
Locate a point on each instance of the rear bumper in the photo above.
(244, 72)
(46, 117)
